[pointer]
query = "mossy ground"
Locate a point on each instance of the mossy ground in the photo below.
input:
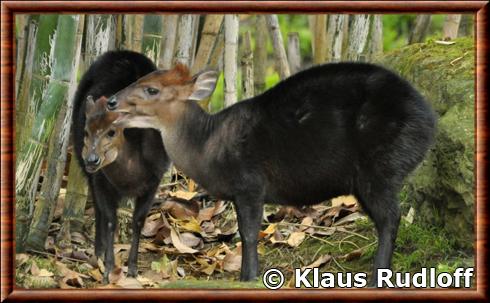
(417, 246)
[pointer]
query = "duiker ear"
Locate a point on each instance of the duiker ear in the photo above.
(204, 85)
(89, 104)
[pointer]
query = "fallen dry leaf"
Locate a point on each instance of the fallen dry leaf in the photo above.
(95, 274)
(181, 247)
(268, 231)
(185, 195)
(232, 262)
(126, 282)
(189, 239)
(296, 238)
(182, 210)
(206, 214)
(318, 262)
(345, 200)
(350, 218)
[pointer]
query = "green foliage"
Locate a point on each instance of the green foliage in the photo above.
(397, 28)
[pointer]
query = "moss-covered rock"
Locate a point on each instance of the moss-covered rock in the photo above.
(442, 188)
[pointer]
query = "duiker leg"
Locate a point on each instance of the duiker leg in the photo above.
(100, 232)
(382, 207)
(249, 215)
(107, 199)
(143, 205)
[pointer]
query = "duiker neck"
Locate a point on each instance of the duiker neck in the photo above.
(186, 141)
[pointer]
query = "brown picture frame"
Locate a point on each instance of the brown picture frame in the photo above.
(10, 8)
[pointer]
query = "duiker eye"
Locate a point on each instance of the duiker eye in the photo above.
(152, 91)
(111, 133)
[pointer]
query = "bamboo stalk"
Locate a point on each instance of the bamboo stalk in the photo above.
(358, 37)
(260, 54)
(137, 34)
(230, 59)
(216, 59)
(24, 72)
(320, 52)
(152, 36)
(335, 37)
(170, 23)
(247, 67)
(278, 44)
(128, 31)
(375, 45)
(209, 36)
(184, 40)
(65, 49)
(34, 83)
(99, 37)
(311, 26)
(119, 29)
(195, 36)
(294, 53)
(21, 45)
(56, 159)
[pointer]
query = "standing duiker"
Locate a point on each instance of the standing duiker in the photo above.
(345, 128)
(118, 163)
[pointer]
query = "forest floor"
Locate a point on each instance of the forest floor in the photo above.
(190, 241)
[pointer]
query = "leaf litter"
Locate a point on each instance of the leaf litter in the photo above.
(186, 235)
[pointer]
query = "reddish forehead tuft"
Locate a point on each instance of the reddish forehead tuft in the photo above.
(178, 75)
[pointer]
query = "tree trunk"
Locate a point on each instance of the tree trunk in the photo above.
(420, 30)
(56, 160)
(184, 40)
(260, 54)
(294, 53)
(375, 45)
(466, 25)
(335, 37)
(230, 58)
(247, 67)
(209, 36)
(66, 48)
(278, 44)
(320, 52)
(170, 23)
(152, 36)
(450, 27)
(358, 35)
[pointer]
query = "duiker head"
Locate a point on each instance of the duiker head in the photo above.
(102, 139)
(158, 99)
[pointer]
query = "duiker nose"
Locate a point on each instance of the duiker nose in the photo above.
(93, 159)
(112, 103)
